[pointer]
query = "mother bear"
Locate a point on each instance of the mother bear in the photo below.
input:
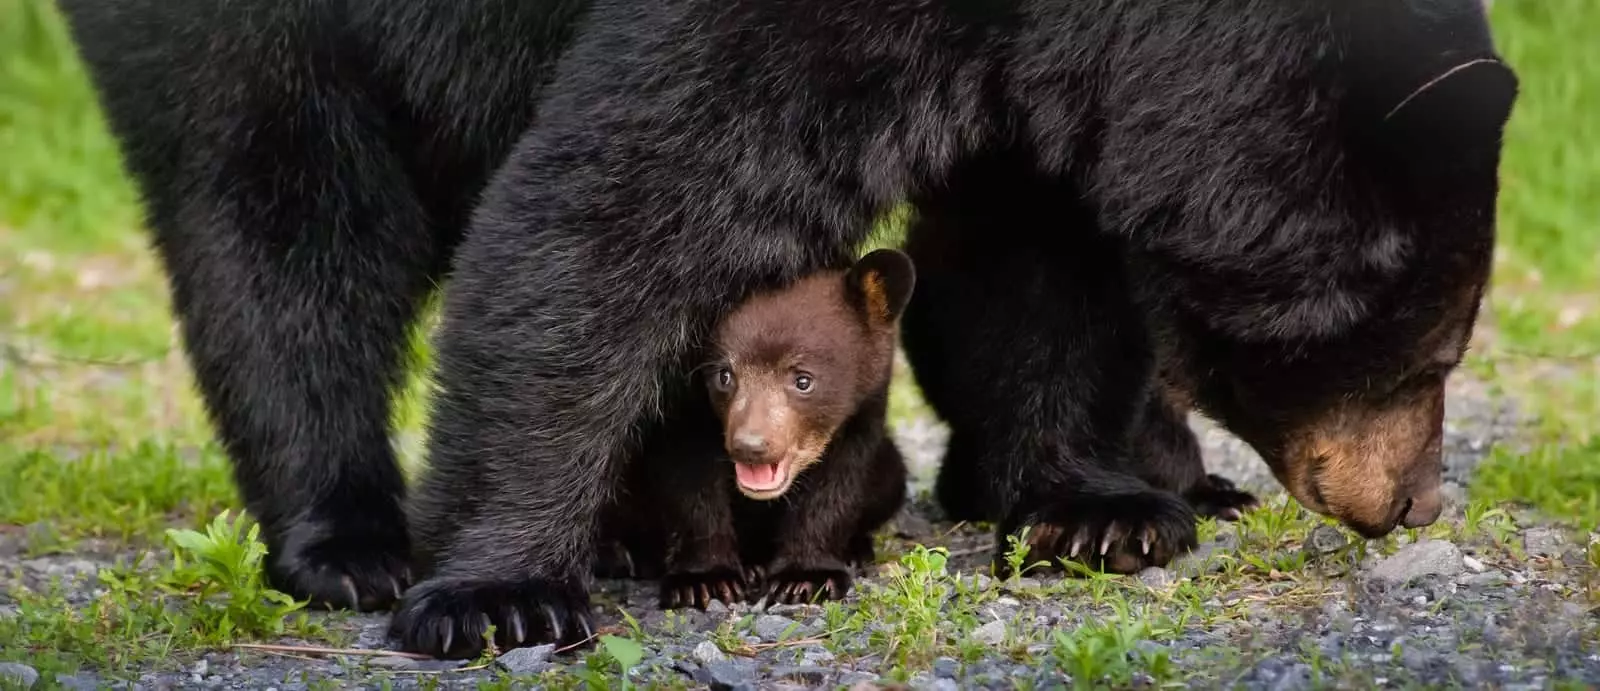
(1279, 212)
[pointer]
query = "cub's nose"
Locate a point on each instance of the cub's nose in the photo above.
(749, 444)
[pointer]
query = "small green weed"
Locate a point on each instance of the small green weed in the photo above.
(1106, 652)
(918, 612)
(222, 569)
(1016, 556)
(615, 651)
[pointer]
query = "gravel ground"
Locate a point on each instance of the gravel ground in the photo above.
(1466, 611)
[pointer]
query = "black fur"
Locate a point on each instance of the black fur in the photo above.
(1218, 183)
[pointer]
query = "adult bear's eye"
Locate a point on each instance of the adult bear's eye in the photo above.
(802, 383)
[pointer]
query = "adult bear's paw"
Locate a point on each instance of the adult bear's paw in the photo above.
(447, 617)
(698, 588)
(1217, 497)
(1120, 533)
(340, 567)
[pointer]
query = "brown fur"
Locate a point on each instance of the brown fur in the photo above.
(837, 329)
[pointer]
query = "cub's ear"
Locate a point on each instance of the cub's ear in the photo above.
(880, 284)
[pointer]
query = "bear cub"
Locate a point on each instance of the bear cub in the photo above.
(774, 490)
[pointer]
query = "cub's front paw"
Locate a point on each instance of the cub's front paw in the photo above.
(1218, 497)
(359, 565)
(698, 588)
(1120, 533)
(803, 584)
(447, 617)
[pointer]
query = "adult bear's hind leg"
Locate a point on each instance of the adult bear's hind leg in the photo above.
(1024, 340)
(1169, 457)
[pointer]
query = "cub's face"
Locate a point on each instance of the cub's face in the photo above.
(793, 365)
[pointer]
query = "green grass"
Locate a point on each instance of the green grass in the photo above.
(102, 436)
(1541, 340)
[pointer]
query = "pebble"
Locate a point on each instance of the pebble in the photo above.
(532, 660)
(395, 662)
(992, 633)
(1473, 565)
(82, 681)
(772, 628)
(1325, 539)
(1488, 579)
(1202, 559)
(18, 674)
(946, 668)
(816, 655)
(1156, 577)
(1542, 542)
(855, 679)
(707, 653)
(1431, 557)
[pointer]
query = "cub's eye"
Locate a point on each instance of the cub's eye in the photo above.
(724, 379)
(802, 383)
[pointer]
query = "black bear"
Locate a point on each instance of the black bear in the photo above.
(776, 494)
(1286, 209)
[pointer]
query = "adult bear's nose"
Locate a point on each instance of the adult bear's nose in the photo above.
(1423, 508)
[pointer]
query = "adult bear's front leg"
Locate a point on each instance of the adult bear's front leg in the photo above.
(1024, 338)
(592, 271)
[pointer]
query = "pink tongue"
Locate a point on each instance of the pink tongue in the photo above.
(757, 477)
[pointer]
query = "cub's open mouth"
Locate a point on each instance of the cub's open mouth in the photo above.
(762, 480)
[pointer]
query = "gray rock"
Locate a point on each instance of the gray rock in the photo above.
(992, 633)
(730, 674)
(943, 685)
(533, 660)
(1543, 542)
(1325, 539)
(1430, 557)
(908, 525)
(9, 612)
(18, 674)
(82, 681)
(1156, 577)
(707, 652)
(772, 628)
(812, 676)
(1293, 678)
(946, 668)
